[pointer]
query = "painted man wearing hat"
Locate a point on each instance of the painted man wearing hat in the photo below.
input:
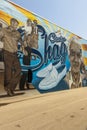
(10, 38)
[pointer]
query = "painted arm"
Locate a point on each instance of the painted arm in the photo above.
(1, 34)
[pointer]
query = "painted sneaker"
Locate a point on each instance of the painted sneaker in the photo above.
(45, 72)
(53, 79)
(9, 92)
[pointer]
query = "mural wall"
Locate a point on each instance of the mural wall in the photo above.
(56, 57)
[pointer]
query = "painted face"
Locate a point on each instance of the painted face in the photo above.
(14, 24)
(75, 56)
(29, 22)
(35, 22)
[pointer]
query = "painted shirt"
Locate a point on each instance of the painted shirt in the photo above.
(10, 39)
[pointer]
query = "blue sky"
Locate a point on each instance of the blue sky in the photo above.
(69, 14)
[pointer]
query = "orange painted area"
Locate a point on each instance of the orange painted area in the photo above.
(71, 35)
(84, 47)
(4, 16)
(26, 13)
(85, 61)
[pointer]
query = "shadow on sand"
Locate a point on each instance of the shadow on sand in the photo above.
(16, 94)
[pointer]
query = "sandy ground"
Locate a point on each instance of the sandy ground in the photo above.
(19, 95)
(63, 110)
(30, 110)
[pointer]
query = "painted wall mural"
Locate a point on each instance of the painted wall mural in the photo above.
(56, 57)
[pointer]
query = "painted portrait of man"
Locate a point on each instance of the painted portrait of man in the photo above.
(77, 65)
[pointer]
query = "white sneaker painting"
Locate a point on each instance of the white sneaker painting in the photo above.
(45, 72)
(53, 78)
